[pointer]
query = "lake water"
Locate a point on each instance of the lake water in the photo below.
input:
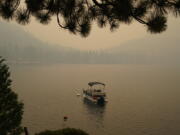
(143, 99)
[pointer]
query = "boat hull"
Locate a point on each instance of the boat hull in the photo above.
(101, 100)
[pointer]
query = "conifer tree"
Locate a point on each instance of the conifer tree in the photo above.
(11, 110)
(64, 131)
(78, 15)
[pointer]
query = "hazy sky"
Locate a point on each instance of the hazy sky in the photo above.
(98, 38)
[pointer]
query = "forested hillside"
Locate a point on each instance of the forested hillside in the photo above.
(17, 45)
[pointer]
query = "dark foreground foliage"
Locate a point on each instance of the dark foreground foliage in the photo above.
(78, 15)
(65, 131)
(11, 110)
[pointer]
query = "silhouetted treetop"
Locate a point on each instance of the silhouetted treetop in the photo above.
(78, 15)
(11, 109)
(64, 131)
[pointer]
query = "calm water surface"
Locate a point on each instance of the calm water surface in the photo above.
(143, 100)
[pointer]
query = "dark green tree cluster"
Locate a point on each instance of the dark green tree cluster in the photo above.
(11, 109)
(65, 131)
(78, 15)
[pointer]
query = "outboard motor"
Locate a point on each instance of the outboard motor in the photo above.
(101, 100)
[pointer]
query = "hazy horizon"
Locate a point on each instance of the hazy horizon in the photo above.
(16, 44)
(99, 38)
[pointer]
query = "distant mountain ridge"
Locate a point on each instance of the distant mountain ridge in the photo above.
(17, 44)
(152, 49)
(20, 46)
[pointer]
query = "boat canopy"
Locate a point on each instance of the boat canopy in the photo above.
(95, 83)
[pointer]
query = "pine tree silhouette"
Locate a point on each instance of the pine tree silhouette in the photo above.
(11, 110)
(78, 15)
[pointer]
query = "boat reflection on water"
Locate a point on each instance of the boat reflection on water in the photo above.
(95, 112)
(90, 104)
(96, 117)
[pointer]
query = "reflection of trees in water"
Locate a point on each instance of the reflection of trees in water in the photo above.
(95, 112)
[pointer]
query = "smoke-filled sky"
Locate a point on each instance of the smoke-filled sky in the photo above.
(99, 38)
